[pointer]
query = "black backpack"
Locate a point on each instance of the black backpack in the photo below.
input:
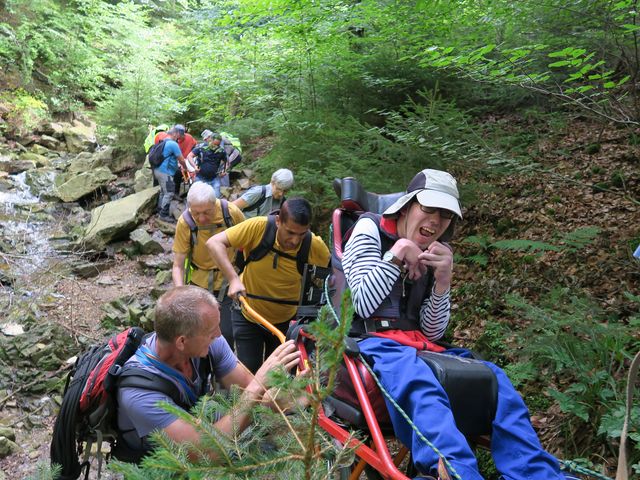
(88, 414)
(156, 154)
(266, 245)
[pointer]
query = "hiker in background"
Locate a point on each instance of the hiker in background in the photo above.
(164, 174)
(275, 249)
(187, 327)
(153, 132)
(399, 271)
(208, 158)
(186, 142)
(204, 217)
(262, 199)
(233, 150)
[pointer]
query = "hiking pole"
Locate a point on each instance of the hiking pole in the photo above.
(261, 320)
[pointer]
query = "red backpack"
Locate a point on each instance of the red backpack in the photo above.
(88, 413)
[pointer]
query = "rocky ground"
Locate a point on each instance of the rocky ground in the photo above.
(79, 310)
(69, 272)
(577, 183)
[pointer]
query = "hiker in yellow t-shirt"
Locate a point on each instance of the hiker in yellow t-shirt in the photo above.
(205, 216)
(274, 248)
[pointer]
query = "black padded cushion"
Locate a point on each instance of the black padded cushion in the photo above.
(354, 197)
(472, 389)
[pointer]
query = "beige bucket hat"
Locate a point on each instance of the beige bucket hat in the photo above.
(432, 188)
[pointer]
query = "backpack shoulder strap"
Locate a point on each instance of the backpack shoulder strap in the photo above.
(228, 220)
(193, 238)
(138, 378)
(303, 254)
(193, 228)
(263, 197)
(204, 370)
(190, 221)
(266, 243)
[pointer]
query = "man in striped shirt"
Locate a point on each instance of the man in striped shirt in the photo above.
(399, 270)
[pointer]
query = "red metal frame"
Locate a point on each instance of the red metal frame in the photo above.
(379, 456)
(337, 234)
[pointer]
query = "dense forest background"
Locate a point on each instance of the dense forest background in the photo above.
(533, 106)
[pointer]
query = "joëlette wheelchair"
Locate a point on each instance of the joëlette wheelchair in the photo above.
(357, 402)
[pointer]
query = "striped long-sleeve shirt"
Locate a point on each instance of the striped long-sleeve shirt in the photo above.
(371, 279)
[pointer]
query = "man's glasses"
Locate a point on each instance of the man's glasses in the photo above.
(444, 213)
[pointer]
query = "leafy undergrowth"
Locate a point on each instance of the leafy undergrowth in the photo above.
(545, 281)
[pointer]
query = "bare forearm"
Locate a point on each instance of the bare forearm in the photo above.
(241, 203)
(177, 275)
(239, 418)
(177, 269)
(218, 251)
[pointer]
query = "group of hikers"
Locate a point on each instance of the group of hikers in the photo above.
(399, 269)
(184, 160)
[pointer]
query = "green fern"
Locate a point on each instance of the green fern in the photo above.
(582, 352)
(519, 245)
(479, 259)
(580, 238)
(480, 240)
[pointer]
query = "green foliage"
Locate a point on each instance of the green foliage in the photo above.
(492, 343)
(44, 471)
(431, 133)
(571, 242)
(24, 112)
(579, 238)
(521, 373)
(126, 112)
(529, 246)
(73, 50)
(571, 339)
(440, 132)
(335, 147)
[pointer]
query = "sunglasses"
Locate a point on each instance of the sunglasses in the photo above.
(444, 213)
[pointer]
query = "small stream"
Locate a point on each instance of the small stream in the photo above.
(25, 229)
(20, 195)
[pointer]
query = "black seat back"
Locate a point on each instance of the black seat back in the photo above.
(354, 201)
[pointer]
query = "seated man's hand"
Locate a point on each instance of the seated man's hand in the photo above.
(286, 355)
(409, 252)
